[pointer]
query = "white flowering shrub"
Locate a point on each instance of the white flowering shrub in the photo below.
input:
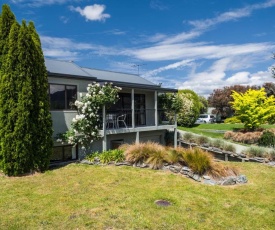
(85, 126)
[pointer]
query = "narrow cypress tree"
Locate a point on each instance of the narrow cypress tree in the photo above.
(7, 19)
(41, 114)
(8, 106)
(25, 119)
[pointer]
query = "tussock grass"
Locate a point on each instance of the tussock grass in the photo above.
(218, 170)
(198, 160)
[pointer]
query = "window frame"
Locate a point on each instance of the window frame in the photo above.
(66, 99)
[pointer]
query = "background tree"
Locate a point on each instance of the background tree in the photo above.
(269, 88)
(169, 104)
(253, 107)
(203, 104)
(25, 120)
(221, 99)
(190, 109)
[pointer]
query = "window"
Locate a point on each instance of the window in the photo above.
(64, 153)
(62, 96)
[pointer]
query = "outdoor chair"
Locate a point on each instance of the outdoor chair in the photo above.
(121, 120)
(111, 121)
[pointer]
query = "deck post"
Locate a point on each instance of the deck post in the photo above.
(156, 108)
(137, 137)
(104, 141)
(175, 132)
(133, 107)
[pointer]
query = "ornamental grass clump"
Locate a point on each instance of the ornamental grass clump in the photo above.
(255, 151)
(173, 156)
(217, 143)
(149, 152)
(229, 147)
(201, 140)
(218, 170)
(198, 160)
(189, 137)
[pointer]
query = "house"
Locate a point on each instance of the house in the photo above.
(134, 118)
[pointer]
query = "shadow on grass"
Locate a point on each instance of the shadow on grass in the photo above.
(60, 164)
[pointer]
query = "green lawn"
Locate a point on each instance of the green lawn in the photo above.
(109, 197)
(216, 130)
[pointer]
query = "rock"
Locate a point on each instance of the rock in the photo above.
(229, 181)
(96, 159)
(86, 162)
(195, 177)
(175, 168)
(257, 159)
(206, 177)
(184, 170)
(210, 182)
(143, 165)
(241, 179)
(271, 163)
(165, 168)
(216, 149)
(241, 155)
(123, 163)
(206, 145)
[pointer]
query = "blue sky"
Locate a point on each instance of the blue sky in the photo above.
(197, 44)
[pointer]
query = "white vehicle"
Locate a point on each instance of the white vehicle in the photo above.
(205, 118)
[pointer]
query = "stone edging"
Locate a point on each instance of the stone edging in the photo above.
(181, 170)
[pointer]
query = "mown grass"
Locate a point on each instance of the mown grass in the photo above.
(216, 130)
(109, 197)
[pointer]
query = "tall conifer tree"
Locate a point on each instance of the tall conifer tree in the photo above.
(25, 119)
(41, 113)
(8, 106)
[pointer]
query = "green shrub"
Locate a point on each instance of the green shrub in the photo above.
(232, 120)
(115, 155)
(198, 160)
(267, 139)
(91, 157)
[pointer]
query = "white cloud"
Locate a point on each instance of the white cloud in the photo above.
(201, 26)
(92, 13)
(64, 19)
(197, 50)
(240, 78)
(66, 48)
(38, 3)
(217, 76)
(158, 5)
(167, 67)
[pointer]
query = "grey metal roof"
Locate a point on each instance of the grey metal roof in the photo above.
(69, 69)
(117, 77)
(64, 68)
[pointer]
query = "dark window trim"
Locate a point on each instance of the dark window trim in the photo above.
(65, 96)
(63, 153)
